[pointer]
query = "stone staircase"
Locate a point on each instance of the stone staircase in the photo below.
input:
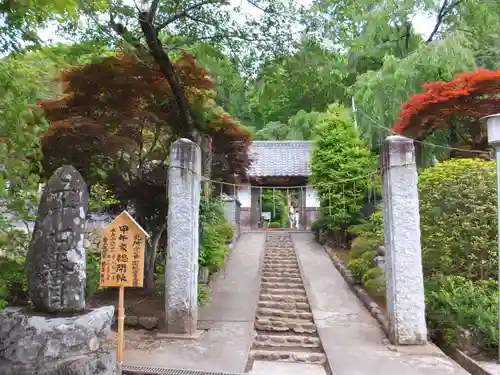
(284, 325)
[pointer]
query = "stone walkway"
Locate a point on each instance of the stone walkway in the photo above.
(273, 333)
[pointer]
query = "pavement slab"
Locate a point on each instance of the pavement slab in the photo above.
(352, 339)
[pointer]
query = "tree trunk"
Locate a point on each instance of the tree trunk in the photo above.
(150, 259)
(206, 152)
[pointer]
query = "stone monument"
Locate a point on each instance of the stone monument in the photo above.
(56, 256)
(57, 336)
(403, 263)
(181, 271)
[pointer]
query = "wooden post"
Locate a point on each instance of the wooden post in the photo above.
(121, 329)
(122, 265)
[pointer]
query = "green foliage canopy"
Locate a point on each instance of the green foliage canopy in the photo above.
(340, 165)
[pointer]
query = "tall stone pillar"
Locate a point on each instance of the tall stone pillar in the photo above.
(181, 271)
(404, 277)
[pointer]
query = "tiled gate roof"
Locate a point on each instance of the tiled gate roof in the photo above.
(280, 158)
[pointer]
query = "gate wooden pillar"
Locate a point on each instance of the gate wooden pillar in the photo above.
(302, 209)
(254, 207)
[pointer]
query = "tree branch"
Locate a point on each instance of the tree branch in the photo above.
(151, 13)
(443, 12)
(167, 68)
(186, 11)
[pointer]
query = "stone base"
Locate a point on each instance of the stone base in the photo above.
(179, 336)
(32, 343)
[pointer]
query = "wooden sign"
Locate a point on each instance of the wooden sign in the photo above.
(122, 265)
(122, 253)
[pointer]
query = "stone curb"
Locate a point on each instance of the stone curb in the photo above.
(372, 307)
(468, 363)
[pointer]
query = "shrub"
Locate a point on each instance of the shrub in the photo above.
(275, 224)
(455, 302)
(339, 157)
(374, 282)
(358, 267)
(93, 261)
(216, 234)
(362, 244)
(227, 231)
(13, 283)
(459, 219)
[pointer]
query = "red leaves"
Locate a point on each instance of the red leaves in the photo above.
(469, 95)
(121, 103)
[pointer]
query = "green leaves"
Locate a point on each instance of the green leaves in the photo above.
(459, 219)
(340, 165)
(455, 303)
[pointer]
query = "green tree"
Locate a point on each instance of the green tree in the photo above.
(308, 80)
(380, 94)
(340, 164)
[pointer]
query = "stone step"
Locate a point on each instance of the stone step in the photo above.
(269, 312)
(280, 268)
(279, 259)
(268, 324)
(273, 262)
(284, 291)
(285, 306)
(276, 285)
(289, 341)
(276, 279)
(288, 356)
(280, 274)
(282, 298)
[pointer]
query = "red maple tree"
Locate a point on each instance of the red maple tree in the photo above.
(115, 123)
(457, 105)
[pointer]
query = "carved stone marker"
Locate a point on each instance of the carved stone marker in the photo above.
(181, 271)
(403, 267)
(56, 256)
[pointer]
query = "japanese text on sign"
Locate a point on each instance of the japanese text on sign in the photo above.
(122, 253)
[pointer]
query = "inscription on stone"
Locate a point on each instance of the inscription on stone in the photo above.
(56, 256)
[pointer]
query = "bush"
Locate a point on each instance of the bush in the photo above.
(374, 282)
(275, 224)
(13, 283)
(358, 267)
(459, 219)
(362, 244)
(227, 231)
(339, 157)
(455, 302)
(216, 234)
(93, 261)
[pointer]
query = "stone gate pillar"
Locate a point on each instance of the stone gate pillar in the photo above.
(404, 277)
(181, 271)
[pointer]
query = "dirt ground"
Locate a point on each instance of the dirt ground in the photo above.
(138, 302)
